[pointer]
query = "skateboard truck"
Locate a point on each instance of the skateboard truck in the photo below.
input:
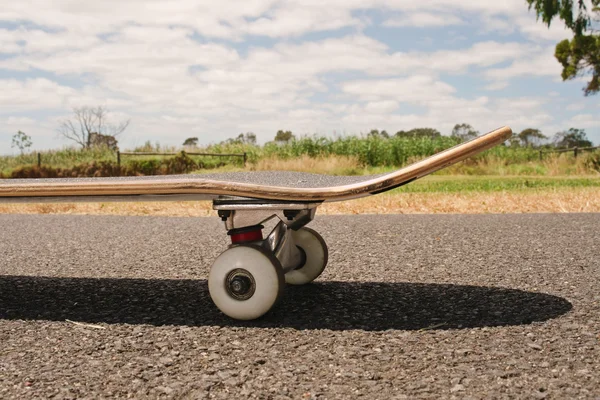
(244, 217)
(241, 212)
(247, 279)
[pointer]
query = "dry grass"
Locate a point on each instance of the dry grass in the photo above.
(554, 164)
(332, 165)
(171, 209)
(559, 164)
(558, 200)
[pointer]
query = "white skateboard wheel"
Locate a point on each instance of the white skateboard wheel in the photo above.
(245, 282)
(316, 252)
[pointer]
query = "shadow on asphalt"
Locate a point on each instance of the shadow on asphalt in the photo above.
(322, 305)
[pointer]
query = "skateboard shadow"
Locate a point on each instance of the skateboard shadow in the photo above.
(324, 305)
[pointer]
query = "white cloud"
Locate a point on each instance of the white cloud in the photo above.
(205, 17)
(276, 18)
(146, 71)
(37, 40)
(381, 107)
(482, 54)
(497, 85)
(416, 89)
(194, 66)
(18, 121)
(584, 120)
(150, 67)
(443, 107)
(299, 19)
(423, 19)
(32, 94)
(540, 63)
(9, 42)
(575, 107)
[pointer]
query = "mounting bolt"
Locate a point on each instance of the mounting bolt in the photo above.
(290, 214)
(224, 214)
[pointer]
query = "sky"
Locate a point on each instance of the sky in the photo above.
(208, 69)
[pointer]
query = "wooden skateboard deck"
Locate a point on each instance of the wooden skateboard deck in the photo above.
(274, 186)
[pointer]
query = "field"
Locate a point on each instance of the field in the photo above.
(501, 180)
(342, 156)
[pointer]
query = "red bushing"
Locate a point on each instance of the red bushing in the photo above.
(248, 236)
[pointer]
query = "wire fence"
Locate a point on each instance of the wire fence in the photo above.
(244, 156)
(575, 150)
(120, 154)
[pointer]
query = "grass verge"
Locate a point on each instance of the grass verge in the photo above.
(436, 195)
(462, 184)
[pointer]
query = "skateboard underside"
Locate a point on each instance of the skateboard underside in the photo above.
(273, 186)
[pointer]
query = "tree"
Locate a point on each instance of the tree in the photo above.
(514, 141)
(191, 141)
(248, 138)
(284, 136)
(100, 140)
(376, 133)
(571, 138)
(531, 137)
(580, 55)
(420, 133)
(243, 138)
(89, 120)
(464, 132)
(22, 141)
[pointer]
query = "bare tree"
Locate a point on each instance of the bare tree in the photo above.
(88, 121)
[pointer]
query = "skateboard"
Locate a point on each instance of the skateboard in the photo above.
(248, 278)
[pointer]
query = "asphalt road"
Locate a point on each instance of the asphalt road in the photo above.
(487, 306)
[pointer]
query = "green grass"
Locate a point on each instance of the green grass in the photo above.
(371, 154)
(370, 151)
(458, 183)
(69, 158)
(65, 158)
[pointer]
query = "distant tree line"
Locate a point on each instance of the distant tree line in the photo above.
(529, 137)
(89, 128)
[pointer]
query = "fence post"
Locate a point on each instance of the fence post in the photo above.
(118, 158)
(575, 151)
(39, 159)
(245, 158)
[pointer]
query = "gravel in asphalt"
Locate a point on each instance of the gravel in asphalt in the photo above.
(419, 306)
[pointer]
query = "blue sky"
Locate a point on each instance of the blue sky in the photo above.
(212, 70)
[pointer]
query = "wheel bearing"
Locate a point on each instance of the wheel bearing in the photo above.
(240, 284)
